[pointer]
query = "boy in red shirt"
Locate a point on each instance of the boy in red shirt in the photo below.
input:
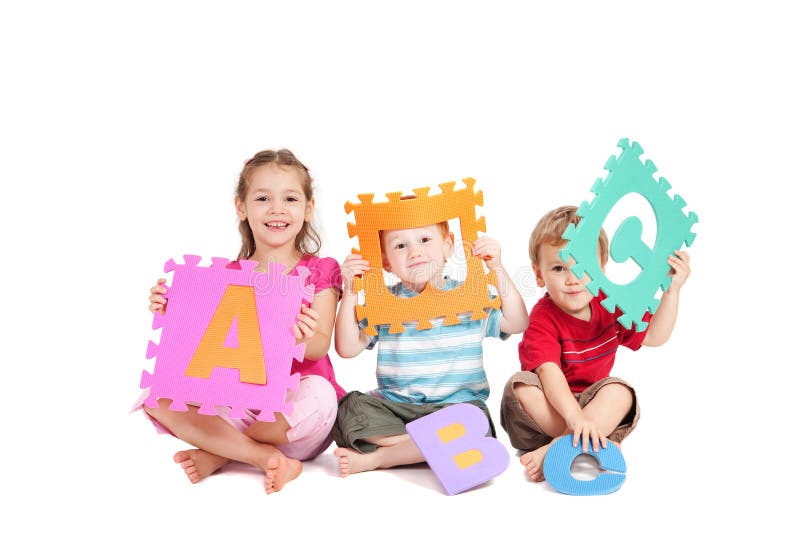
(568, 351)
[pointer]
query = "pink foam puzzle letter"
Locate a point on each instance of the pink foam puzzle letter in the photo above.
(456, 447)
(227, 338)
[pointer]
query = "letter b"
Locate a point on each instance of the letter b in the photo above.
(454, 443)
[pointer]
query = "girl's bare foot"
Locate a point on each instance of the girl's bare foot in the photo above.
(198, 464)
(534, 462)
(352, 461)
(279, 471)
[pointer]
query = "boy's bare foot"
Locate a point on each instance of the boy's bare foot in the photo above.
(279, 471)
(352, 461)
(534, 462)
(198, 464)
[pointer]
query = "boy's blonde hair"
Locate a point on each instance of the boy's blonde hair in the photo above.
(444, 226)
(550, 228)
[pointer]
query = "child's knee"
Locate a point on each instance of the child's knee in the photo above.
(528, 395)
(618, 393)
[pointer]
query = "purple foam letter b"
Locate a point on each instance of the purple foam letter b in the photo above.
(454, 443)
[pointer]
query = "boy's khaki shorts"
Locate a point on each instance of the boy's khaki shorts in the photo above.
(363, 416)
(526, 435)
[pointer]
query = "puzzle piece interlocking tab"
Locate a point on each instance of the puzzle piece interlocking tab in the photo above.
(628, 174)
(227, 337)
(380, 306)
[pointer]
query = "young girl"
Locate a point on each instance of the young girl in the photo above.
(274, 203)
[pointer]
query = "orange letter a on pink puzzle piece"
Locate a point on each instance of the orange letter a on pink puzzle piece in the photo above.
(454, 443)
(236, 318)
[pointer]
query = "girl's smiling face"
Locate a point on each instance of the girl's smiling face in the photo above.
(275, 206)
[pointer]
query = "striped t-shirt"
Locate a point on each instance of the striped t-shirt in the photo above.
(443, 364)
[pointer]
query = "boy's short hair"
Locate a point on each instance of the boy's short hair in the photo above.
(551, 227)
(444, 226)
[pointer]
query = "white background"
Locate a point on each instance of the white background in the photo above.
(123, 127)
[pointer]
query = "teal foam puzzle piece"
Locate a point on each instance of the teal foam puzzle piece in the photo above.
(628, 174)
(558, 462)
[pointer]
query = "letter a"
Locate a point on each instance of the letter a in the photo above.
(237, 308)
(454, 443)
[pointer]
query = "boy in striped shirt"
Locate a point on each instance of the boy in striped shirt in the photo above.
(419, 371)
(568, 351)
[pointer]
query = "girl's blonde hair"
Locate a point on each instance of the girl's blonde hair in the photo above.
(307, 240)
(550, 228)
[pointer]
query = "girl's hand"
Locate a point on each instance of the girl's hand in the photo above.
(306, 324)
(489, 251)
(158, 303)
(680, 270)
(352, 266)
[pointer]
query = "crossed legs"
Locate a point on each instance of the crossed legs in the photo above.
(218, 443)
(609, 406)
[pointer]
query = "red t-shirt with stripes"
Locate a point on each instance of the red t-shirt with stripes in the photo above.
(584, 350)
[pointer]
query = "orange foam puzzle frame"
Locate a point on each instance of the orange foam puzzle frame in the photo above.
(382, 307)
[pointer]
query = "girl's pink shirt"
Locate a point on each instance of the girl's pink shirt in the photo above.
(325, 273)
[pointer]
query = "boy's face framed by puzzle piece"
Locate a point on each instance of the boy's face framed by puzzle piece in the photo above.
(417, 256)
(372, 219)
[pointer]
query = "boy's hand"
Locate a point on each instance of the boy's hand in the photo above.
(306, 324)
(488, 250)
(583, 426)
(352, 266)
(157, 301)
(680, 270)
